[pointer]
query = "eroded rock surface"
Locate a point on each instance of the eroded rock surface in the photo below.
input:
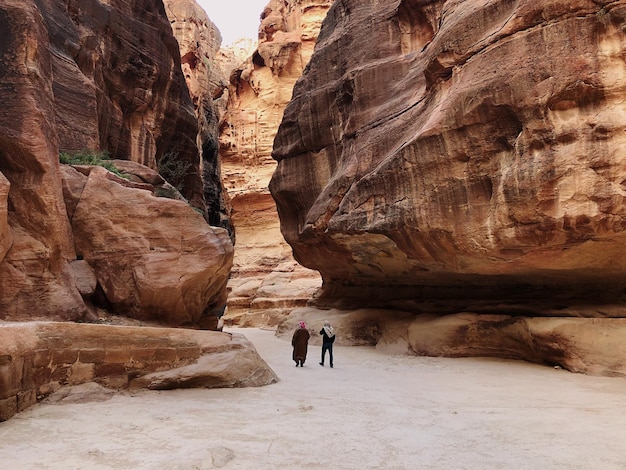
(199, 44)
(593, 346)
(155, 258)
(37, 359)
(35, 280)
(100, 76)
(260, 89)
(467, 154)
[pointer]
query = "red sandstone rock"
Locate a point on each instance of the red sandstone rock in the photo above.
(5, 232)
(260, 89)
(118, 85)
(199, 45)
(97, 76)
(154, 257)
(35, 280)
(460, 150)
(37, 359)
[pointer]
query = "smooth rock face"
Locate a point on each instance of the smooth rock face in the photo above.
(154, 258)
(460, 150)
(37, 359)
(260, 89)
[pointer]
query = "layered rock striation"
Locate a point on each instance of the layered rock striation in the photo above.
(265, 275)
(39, 358)
(461, 156)
(101, 76)
(199, 43)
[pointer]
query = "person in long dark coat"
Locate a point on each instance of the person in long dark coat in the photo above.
(300, 343)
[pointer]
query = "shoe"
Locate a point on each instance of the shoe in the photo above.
(322, 364)
(331, 366)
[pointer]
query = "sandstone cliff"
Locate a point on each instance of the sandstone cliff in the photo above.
(92, 75)
(199, 45)
(265, 277)
(463, 161)
(468, 151)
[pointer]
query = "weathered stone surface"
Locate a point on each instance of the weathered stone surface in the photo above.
(154, 258)
(6, 239)
(119, 357)
(199, 45)
(96, 76)
(118, 85)
(584, 345)
(260, 89)
(35, 281)
(465, 153)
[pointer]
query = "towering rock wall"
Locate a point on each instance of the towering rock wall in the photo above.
(264, 273)
(199, 44)
(446, 156)
(100, 75)
(118, 85)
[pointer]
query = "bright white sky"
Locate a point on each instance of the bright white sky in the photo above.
(235, 19)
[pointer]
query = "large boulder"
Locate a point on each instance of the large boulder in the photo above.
(465, 153)
(39, 358)
(154, 258)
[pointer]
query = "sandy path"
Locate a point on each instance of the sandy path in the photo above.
(370, 412)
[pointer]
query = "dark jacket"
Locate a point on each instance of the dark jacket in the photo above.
(326, 339)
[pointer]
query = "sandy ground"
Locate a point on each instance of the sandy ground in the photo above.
(370, 412)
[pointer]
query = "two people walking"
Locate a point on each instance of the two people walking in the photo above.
(300, 343)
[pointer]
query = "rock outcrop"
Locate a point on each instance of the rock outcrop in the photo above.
(37, 359)
(118, 86)
(99, 76)
(593, 346)
(199, 45)
(462, 163)
(34, 271)
(260, 89)
(154, 258)
(461, 156)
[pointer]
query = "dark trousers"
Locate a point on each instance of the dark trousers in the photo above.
(327, 347)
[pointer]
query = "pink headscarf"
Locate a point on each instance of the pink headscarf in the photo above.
(302, 324)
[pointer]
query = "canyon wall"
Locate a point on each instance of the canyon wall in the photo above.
(199, 45)
(460, 150)
(101, 76)
(266, 281)
(461, 164)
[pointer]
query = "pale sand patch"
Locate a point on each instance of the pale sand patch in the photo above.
(371, 411)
